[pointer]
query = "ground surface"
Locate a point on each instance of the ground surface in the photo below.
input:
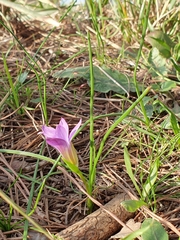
(62, 203)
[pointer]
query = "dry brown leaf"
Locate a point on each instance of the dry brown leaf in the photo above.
(125, 231)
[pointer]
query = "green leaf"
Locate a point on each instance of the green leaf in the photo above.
(36, 100)
(167, 86)
(162, 42)
(149, 110)
(174, 123)
(157, 62)
(176, 52)
(154, 230)
(71, 73)
(163, 48)
(150, 230)
(108, 79)
(166, 124)
(22, 77)
(133, 205)
(176, 66)
(105, 79)
(172, 119)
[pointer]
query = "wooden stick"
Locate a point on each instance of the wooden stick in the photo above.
(99, 225)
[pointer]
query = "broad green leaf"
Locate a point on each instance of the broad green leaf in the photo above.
(149, 110)
(22, 77)
(157, 62)
(105, 79)
(156, 87)
(167, 86)
(146, 100)
(162, 42)
(135, 234)
(112, 80)
(71, 73)
(166, 124)
(163, 48)
(35, 100)
(133, 205)
(150, 230)
(154, 230)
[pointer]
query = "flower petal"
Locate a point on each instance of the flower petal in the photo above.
(62, 133)
(74, 130)
(67, 151)
(62, 130)
(58, 144)
(64, 124)
(48, 132)
(70, 154)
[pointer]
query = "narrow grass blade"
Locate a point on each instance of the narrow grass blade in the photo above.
(129, 170)
(151, 180)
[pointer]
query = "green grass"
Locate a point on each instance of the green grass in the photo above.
(116, 36)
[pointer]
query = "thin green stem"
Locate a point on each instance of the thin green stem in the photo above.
(92, 147)
(93, 11)
(113, 126)
(75, 169)
(146, 17)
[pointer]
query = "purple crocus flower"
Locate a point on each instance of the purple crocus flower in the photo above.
(60, 139)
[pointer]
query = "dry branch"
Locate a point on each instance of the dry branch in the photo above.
(99, 225)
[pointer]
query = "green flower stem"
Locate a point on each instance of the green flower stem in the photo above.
(77, 171)
(92, 145)
(113, 126)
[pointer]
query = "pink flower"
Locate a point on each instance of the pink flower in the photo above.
(60, 139)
